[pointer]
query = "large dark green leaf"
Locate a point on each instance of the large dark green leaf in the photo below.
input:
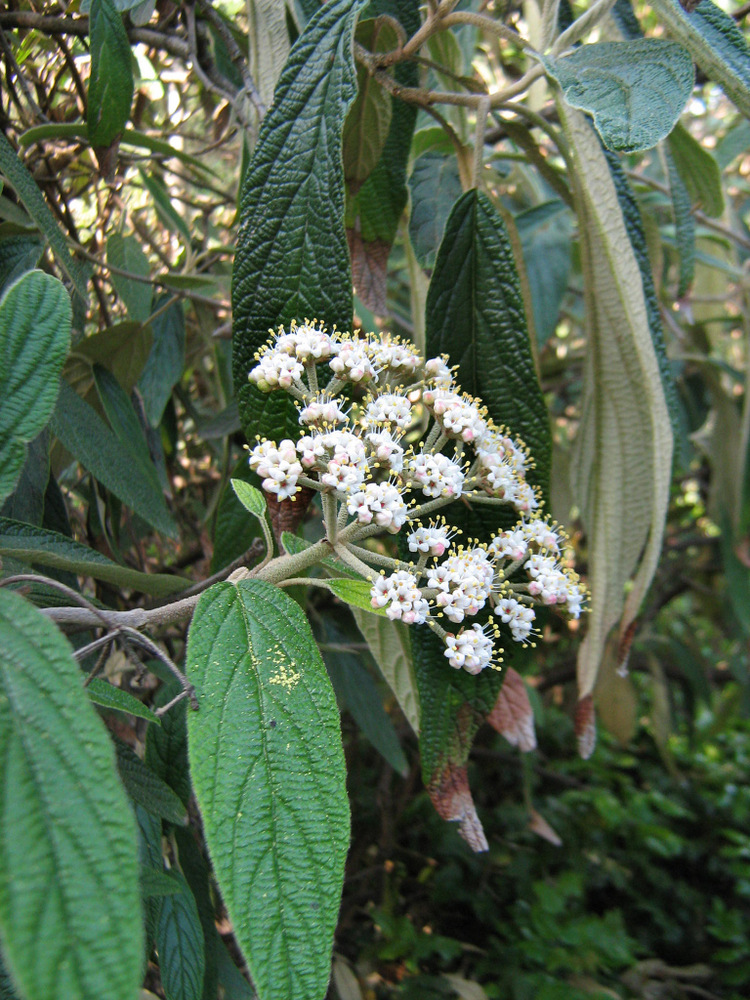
(197, 873)
(26, 502)
(268, 773)
(179, 943)
(634, 90)
(35, 319)
(111, 80)
(70, 916)
(715, 42)
(51, 548)
(475, 315)
(292, 260)
(82, 431)
(166, 745)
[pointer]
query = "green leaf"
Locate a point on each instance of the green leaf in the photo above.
(374, 213)
(475, 315)
(166, 747)
(623, 459)
(155, 883)
(698, 170)
(355, 593)
(35, 319)
(194, 867)
(546, 232)
(275, 814)
(235, 986)
(125, 254)
(179, 943)
(234, 531)
(33, 201)
(269, 45)
(369, 120)
(111, 81)
(684, 222)
(715, 42)
(292, 260)
(26, 502)
(88, 439)
(50, 548)
(250, 498)
(18, 254)
(356, 689)
(165, 210)
(70, 916)
(634, 90)
(108, 696)
(122, 349)
(389, 643)
(434, 186)
(166, 361)
(733, 143)
(146, 789)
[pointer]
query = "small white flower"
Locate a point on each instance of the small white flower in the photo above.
(352, 363)
(438, 373)
(307, 343)
(381, 503)
(435, 539)
(459, 416)
(323, 410)
(399, 593)
(278, 466)
(386, 450)
(438, 475)
(276, 370)
(471, 649)
(510, 544)
(389, 408)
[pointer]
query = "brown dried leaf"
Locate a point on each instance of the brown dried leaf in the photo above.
(452, 799)
(369, 263)
(539, 825)
(512, 715)
(285, 515)
(585, 724)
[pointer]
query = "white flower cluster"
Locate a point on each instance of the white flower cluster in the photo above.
(387, 428)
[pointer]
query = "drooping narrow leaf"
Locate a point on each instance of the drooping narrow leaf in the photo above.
(108, 696)
(234, 531)
(195, 868)
(699, 171)
(623, 462)
(716, 43)
(292, 260)
(546, 232)
(33, 201)
(369, 120)
(634, 90)
(374, 212)
(125, 254)
(35, 318)
(82, 431)
(684, 223)
(269, 45)
(145, 788)
(268, 772)
(70, 917)
(434, 186)
(179, 943)
(111, 81)
(355, 687)
(43, 547)
(166, 361)
(166, 746)
(390, 645)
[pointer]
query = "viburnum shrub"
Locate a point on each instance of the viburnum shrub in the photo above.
(388, 440)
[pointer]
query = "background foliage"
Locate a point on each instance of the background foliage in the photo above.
(557, 197)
